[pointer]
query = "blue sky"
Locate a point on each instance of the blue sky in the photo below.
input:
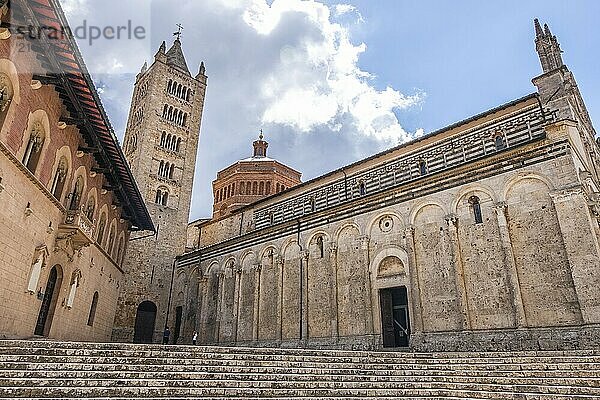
(332, 82)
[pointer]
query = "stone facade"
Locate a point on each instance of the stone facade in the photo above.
(160, 145)
(64, 227)
(486, 231)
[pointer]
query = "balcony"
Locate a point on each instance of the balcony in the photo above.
(76, 229)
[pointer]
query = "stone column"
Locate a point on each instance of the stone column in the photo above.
(256, 268)
(220, 303)
(304, 300)
(202, 307)
(238, 292)
(511, 266)
(364, 244)
(279, 269)
(334, 309)
(414, 289)
(459, 272)
(578, 233)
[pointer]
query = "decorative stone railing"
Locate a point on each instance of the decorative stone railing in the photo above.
(524, 126)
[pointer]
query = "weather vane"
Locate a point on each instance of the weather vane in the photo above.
(178, 33)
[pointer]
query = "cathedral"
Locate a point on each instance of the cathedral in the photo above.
(481, 235)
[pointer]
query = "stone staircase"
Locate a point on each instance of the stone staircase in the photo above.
(46, 369)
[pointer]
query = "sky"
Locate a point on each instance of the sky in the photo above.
(332, 82)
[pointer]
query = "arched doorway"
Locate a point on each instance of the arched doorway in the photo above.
(145, 319)
(44, 321)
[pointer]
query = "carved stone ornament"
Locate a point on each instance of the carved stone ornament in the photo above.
(5, 92)
(386, 224)
(65, 243)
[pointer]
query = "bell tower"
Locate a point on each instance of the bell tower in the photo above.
(160, 145)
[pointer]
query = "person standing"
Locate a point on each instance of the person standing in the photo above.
(166, 335)
(194, 338)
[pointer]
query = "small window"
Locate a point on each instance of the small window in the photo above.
(362, 189)
(423, 167)
(320, 246)
(101, 229)
(476, 205)
(93, 308)
(312, 204)
(499, 142)
(271, 218)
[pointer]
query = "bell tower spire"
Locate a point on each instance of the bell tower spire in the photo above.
(547, 47)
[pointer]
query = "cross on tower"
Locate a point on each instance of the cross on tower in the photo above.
(178, 33)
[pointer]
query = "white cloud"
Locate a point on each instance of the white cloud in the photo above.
(341, 9)
(318, 81)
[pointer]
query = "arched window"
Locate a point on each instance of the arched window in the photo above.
(476, 205)
(6, 96)
(163, 137)
(261, 188)
(311, 204)
(362, 189)
(171, 170)
(101, 229)
(165, 198)
(90, 208)
(254, 187)
(93, 308)
(76, 195)
(278, 188)
(158, 197)
(33, 151)
(499, 141)
(184, 122)
(60, 176)
(271, 218)
(320, 246)
(178, 147)
(242, 187)
(189, 94)
(268, 188)
(165, 111)
(423, 167)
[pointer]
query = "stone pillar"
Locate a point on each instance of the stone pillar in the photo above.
(414, 289)
(203, 307)
(334, 308)
(238, 292)
(256, 268)
(304, 300)
(279, 269)
(364, 244)
(581, 245)
(459, 273)
(510, 264)
(220, 303)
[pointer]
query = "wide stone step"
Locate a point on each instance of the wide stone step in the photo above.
(149, 379)
(24, 370)
(411, 390)
(367, 364)
(283, 351)
(196, 354)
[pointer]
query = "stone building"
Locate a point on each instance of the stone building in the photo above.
(69, 201)
(160, 145)
(481, 235)
(250, 180)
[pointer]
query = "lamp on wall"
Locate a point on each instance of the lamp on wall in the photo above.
(28, 210)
